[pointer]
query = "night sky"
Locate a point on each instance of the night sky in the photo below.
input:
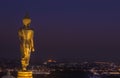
(88, 30)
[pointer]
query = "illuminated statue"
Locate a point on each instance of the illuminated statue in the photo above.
(26, 42)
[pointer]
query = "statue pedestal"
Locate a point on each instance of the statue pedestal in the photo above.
(24, 74)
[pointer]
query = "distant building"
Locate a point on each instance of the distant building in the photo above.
(8, 75)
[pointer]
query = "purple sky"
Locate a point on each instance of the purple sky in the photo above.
(84, 29)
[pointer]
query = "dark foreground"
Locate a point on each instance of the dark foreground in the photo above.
(66, 74)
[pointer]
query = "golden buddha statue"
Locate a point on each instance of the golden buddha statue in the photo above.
(26, 34)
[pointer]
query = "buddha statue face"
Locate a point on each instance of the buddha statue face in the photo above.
(26, 21)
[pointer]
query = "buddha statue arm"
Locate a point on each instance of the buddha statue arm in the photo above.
(32, 43)
(19, 35)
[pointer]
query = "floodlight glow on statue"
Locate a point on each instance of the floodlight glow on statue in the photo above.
(26, 42)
